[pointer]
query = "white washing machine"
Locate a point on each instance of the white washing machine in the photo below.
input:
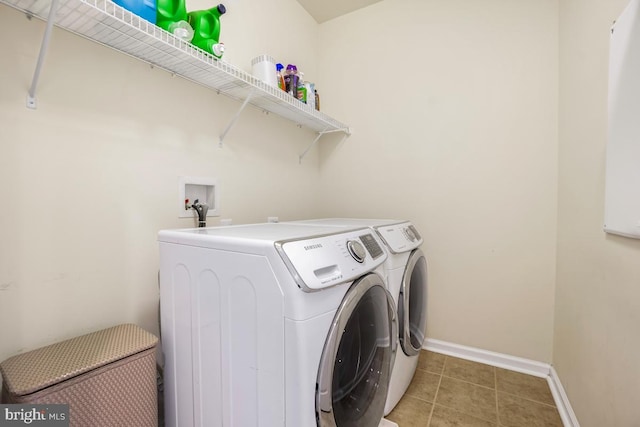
(273, 325)
(405, 271)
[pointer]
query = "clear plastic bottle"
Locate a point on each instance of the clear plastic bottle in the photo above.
(291, 80)
(311, 94)
(301, 91)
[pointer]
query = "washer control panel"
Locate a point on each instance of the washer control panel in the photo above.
(329, 260)
(400, 238)
(372, 245)
(356, 250)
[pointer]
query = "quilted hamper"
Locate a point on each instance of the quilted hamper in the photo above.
(108, 377)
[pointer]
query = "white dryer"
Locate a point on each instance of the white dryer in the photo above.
(273, 325)
(406, 276)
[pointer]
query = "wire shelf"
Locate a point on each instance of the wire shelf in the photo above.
(106, 23)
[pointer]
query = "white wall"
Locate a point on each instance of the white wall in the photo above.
(88, 178)
(596, 340)
(453, 105)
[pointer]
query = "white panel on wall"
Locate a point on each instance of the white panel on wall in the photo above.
(622, 198)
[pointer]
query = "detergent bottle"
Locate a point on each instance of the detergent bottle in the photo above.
(146, 9)
(206, 29)
(171, 15)
(291, 80)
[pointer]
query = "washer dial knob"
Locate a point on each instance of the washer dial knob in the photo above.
(356, 250)
(410, 234)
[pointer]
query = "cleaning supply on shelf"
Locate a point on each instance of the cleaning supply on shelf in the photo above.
(181, 30)
(301, 92)
(145, 9)
(317, 100)
(291, 80)
(263, 67)
(311, 97)
(171, 15)
(206, 28)
(137, 40)
(280, 76)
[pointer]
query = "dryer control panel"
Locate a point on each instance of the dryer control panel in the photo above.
(400, 238)
(329, 260)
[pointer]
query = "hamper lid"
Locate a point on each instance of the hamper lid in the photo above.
(32, 371)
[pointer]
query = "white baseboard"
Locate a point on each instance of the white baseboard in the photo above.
(505, 361)
(512, 363)
(569, 418)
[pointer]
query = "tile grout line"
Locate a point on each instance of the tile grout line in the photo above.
(465, 413)
(529, 399)
(435, 397)
(495, 390)
(442, 376)
(497, 422)
(468, 382)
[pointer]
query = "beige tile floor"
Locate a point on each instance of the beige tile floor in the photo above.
(447, 392)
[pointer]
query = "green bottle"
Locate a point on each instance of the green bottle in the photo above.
(170, 12)
(206, 28)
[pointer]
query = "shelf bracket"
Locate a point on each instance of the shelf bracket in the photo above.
(235, 118)
(320, 134)
(31, 96)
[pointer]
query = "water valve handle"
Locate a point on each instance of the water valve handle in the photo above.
(201, 209)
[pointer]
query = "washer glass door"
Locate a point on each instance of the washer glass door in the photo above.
(356, 363)
(412, 304)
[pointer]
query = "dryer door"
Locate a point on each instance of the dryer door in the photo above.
(358, 354)
(412, 304)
